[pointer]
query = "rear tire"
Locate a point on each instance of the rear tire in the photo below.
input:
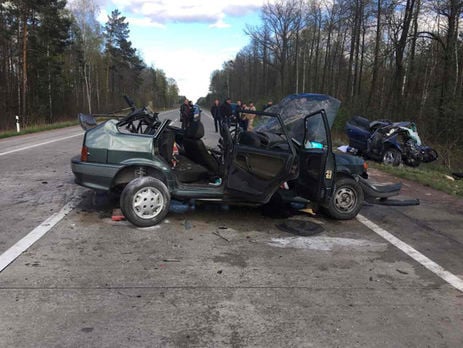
(346, 201)
(145, 201)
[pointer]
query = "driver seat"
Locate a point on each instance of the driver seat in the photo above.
(196, 150)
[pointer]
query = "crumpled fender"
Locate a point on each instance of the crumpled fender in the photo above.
(377, 190)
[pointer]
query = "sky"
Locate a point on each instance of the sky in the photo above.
(188, 39)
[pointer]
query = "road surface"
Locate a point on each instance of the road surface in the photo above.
(214, 275)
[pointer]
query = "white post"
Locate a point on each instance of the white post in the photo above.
(17, 124)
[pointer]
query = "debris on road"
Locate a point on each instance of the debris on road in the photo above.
(219, 235)
(187, 224)
(117, 215)
(395, 202)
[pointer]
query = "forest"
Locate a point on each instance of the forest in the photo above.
(56, 60)
(384, 59)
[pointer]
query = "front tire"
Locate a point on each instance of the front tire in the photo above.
(392, 157)
(145, 201)
(346, 201)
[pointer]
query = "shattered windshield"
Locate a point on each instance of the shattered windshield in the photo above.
(264, 123)
(294, 108)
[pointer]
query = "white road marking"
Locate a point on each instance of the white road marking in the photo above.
(450, 278)
(33, 236)
(39, 144)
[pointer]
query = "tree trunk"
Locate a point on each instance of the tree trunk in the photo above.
(399, 58)
(374, 78)
(24, 70)
(87, 88)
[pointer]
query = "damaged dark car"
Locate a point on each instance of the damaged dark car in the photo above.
(391, 143)
(285, 155)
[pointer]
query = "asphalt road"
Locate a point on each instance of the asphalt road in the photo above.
(214, 275)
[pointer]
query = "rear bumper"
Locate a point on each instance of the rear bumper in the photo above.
(96, 176)
(375, 190)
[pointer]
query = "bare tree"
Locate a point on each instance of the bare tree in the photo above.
(283, 19)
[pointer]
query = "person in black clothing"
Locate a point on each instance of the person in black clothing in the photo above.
(239, 106)
(192, 111)
(215, 112)
(226, 111)
(185, 113)
(269, 104)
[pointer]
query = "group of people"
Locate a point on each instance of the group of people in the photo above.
(188, 112)
(227, 113)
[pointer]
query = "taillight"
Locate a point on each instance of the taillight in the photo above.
(84, 154)
(365, 166)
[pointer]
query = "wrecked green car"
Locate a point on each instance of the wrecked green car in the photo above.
(284, 155)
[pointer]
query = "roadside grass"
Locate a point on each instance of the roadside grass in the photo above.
(38, 128)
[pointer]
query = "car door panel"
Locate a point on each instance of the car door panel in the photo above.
(263, 165)
(316, 159)
(256, 172)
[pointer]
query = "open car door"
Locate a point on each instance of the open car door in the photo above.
(262, 158)
(317, 166)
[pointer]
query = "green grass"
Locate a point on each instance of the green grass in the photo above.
(433, 176)
(38, 128)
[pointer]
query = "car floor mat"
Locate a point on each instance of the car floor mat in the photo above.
(300, 228)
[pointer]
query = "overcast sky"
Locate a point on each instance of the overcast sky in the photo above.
(187, 39)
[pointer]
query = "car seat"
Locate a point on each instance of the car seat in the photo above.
(196, 150)
(185, 169)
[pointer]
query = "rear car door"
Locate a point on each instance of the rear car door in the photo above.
(317, 164)
(262, 159)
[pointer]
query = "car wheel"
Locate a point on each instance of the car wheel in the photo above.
(392, 157)
(346, 201)
(145, 201)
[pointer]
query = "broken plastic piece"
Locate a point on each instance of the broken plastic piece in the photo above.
(117, 215)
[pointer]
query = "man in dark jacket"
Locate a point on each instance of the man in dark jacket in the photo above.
(215, 112)
(185, 113)
(269, 104)
(226, 111)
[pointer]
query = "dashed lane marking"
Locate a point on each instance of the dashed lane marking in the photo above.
(33, 236)
(438, 270)
(39, 144)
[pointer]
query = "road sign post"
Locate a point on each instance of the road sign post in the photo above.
(17, 124)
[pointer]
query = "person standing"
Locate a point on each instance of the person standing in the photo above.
(243, 123)
(215, 112)
(185, 113)
(226, 112)
(250, 117)
(269, 104)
